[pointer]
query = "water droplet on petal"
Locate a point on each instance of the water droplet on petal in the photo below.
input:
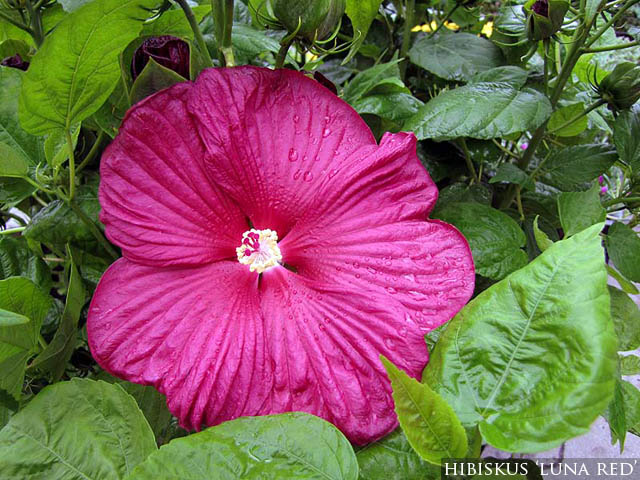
(293, 155)
(390, 343)
(308, 176)
(326, 132)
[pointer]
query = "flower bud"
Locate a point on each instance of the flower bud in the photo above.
(312, 19)
(168, 51)
(15, 62)
(544, 17)
(621, 88)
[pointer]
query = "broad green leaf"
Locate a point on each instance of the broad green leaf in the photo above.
(626, 136)
(482, 110)
(542, 240)
(455, 56)
(494, 237)
(626, 319)
(248, 42)
(562, 116)
(514, 76)
(110, 115)
(532, 359)
(623, 246)
(508, 172)
(174, 22)
(631, 396)
(368, 79)
(55, 356)
(153, 78)
(12, 163)
(77, 68)
(291, 445)
(615, 415)
(572, 168)
(630, 365)
(8, 407)
(11, 319)
(625, 285)
(17, 260)
(430, 424)
(579, 210)
(76, 430)
(392, 458)
(462, 193)
(18, 341)
(361, 13)
(396, 107)
(591, 9)
(56, 149)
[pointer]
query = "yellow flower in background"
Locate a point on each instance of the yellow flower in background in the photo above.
(487, 29)
(430, 27)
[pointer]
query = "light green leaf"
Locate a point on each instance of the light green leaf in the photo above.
(565, 114)
(77, 68)
(11, 319)
(623, 246)
(430, 424)
(55, 146)
(494, 237)
(616, 417)
(532, 359)
(291, 445)
(455, 56)
(542, 240)
(153, 78)
(361, 13)
(591, 9)
(625, 285)
(72, 5)
(514, 76)
(396, 107)
(368, 79)
(249, 42)
(508, 172)
(392, 458)
(626, 319)
(630, 365)
(174, 22)
(76, 430)
(579, 210)
(482, 110)
(626, 136)
(12, 163)
(572, 168)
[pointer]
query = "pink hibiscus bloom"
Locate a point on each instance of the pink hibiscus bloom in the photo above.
(272, 251)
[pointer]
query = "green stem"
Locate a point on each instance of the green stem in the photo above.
(37, 185)
(11, 231)
(193, 23)
(93, 228)
(519, 203)
(282, 53)
(410, 7)
(92, 153)
(36, 23)
(72, 165)
(608, 48)
(615, 201)
(504, 149)
(442, 22)
(467, 159)
(42, 341)
(545, 45)
(586, 111)
(17, 24)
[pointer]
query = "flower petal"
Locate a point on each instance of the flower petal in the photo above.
(325, 347)
(157, 202)
(272, 137)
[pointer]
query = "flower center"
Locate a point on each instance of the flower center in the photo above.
(259, 250)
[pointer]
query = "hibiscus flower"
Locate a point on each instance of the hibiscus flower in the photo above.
(272, 250)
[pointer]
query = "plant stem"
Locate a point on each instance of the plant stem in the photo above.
(545, 44)
(227, 45)
(193, 23)
(37, 185)
(282, 53)
(615, 201)
(608, 48)
(93, 228)
(504, 149)
(36, 23)
(586, 111)
(519, 203)
(42, 341)
(72, 165)
(92, 153)
(611, 21)
(17, 24)
(409, 10)
(467, 159)
(10, 231)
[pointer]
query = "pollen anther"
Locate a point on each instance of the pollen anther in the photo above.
(259, 250)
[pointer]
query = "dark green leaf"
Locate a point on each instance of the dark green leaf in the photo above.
(291, 445)
(76, 430)
(367, 80)
(392, 458)
(564, 115)
(616, 416)
(508, 172)
(430, 424)
(16, 260)
(626, 136)
(361, 13)
(514, 76)
(625, 285)
(494, 237)
(579, 210)
(572, 168)
(623, 246)
(154, 77)
(532, 359)
(626, 319)
(249, 42)
(396, 107)
(482, 110)
(77, 68)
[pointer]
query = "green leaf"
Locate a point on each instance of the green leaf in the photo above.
(174, 22)
(565, 114)
(110, 115)
(12, 164)
(514, 76)
(291, 445)
(248, 42)
(625, 285)
(392, 458)
(630, 365)
(455, 56)
(482, 110)
(572, 168)
(626, 319)
(396, 107)
(72, 5)
(11, 319)
(494, 237)
(508, 172)
(361, 13)
(532, 359)
(368, 79)
(18, 341)
(81, 429)
(616, 416)
(153, 78)
(77, 68)
(430, 424)
(631, 396)
(17, 260)
(623, 246)
(55, 356)
(56, 149)
(626, 136)
(542, 240)
(579, 210)
(591, 9)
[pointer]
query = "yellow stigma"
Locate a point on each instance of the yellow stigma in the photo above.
(259, 250)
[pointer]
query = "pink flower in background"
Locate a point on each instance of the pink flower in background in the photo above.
(524, 146)
(604, 190)
(272, 251)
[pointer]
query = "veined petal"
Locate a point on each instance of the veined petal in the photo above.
(325, 343)
(157, 203)
(272, 137)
